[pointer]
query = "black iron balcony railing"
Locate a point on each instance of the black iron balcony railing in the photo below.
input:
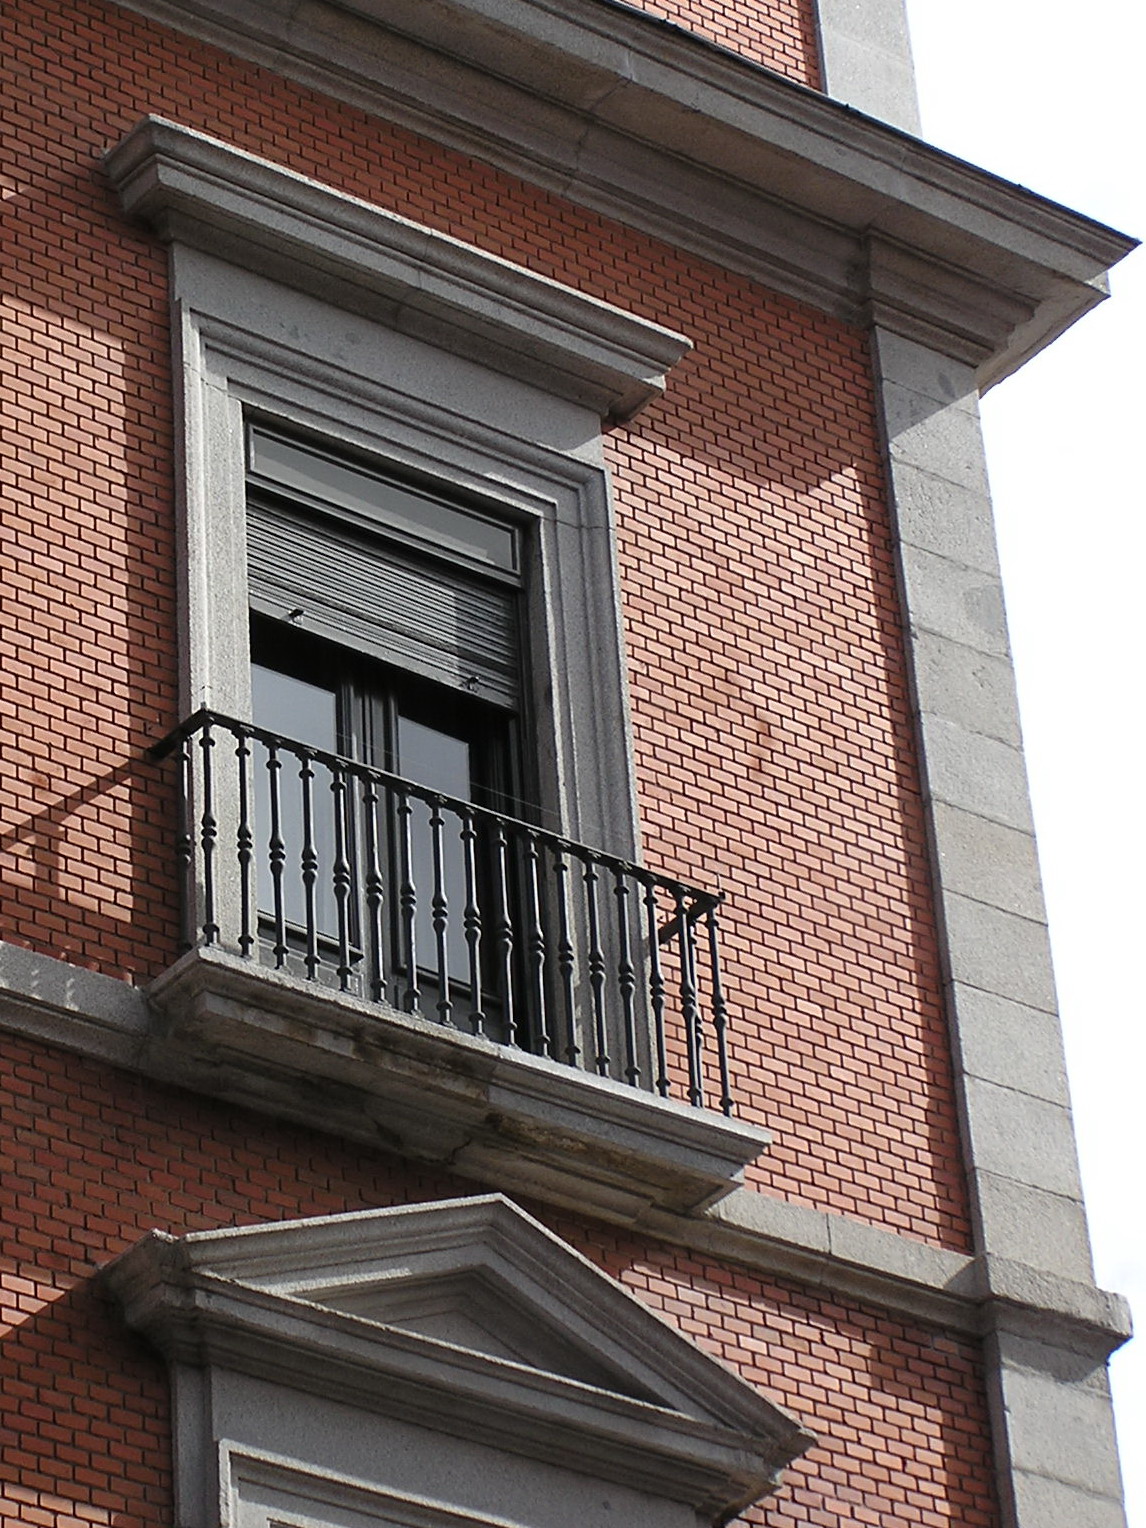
(353, 878)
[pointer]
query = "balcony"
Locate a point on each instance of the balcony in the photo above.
(376, 957)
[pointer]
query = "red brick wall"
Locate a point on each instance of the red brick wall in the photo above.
(773, 730)
(780, 34)
(87, 650)
(898, 1409)
(92, 1159)
(773, 734)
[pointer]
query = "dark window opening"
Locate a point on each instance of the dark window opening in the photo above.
(385, 631)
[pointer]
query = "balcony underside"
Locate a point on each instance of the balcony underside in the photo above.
(265, 1039)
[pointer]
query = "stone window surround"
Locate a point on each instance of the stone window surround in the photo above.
(369, 336)
(264, 1490)
(579, 700)
(381, 335)
(340, 1361)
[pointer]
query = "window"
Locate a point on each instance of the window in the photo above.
(450, 364)
(386, 630)
(348, 378)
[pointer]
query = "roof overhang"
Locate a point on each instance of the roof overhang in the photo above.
(648, 124)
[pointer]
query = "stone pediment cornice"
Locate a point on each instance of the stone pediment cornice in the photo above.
(199, 191)
(646, 123)
(570, 1369)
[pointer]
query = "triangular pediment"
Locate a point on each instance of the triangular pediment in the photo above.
(471, 1317)
(481, 1275)
(477, 1310)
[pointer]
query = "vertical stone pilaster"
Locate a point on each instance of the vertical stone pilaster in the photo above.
(866, 54)
(1049, 1397)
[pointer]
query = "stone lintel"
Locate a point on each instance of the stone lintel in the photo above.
(691, 143)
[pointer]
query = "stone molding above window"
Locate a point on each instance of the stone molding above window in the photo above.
(390, 338)
(198, 191)
(346, 1359)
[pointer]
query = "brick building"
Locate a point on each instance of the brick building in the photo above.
(513, 777)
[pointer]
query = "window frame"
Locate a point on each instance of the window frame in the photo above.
(245, 344)
(235, 367)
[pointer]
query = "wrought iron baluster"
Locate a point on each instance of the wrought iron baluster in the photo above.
(440, 909)
(566, 955)
(309, 861)
(276, 852)
(719, 1010)
(408, 902)
(208, 837)
(504, 936)
(597, 966)
(374, 888)
(528, 938)
(185, 842)
(471, 919)
(245, 842)
(656, 988)
(690, 1011)
(340, 874)
(535, 948)
(626, 977)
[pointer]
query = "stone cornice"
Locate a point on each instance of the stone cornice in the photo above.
(59, 1004)
(197, 190)
(849, 1259)
(684, 140)
(652, 1410)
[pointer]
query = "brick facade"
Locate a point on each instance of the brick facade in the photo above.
(774, 745)
(93, 1159)
(780, 34)
(782, 649)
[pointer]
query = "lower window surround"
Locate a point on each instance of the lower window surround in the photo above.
(325, 1370)
(267, 1491)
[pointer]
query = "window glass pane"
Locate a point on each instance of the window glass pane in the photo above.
(434, 758)
(439, 525)
(303, 713)
(442, 762)
(295, 708)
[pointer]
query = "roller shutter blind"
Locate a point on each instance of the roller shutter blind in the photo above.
(366, 593)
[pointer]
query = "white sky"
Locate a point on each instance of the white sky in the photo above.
(1053, 96)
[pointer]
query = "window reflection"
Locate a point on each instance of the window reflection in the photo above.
(304, 713)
